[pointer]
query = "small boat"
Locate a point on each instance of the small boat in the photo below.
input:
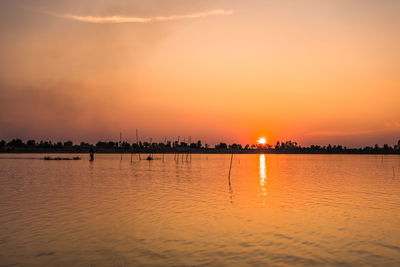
(58, 158)
(149, 158)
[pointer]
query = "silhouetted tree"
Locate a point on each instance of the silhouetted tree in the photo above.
(68, 144)
(193, 145)
(329, 148)
(16, 143)
(161, 145)
(85, 145)
(235, 146)
(135, 146)
(221, 146)
(278, 145)
(31, 143)
(2, 143)
(126, 145)
(112, 144)
(101, 144)
(183, 144)
(44, 144)
(386, 147)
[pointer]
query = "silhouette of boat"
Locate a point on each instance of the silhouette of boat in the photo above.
(149, 158)
(59, 158)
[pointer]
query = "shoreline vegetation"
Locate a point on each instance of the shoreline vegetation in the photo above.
(168, 147)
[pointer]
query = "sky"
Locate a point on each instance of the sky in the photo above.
(311, 71)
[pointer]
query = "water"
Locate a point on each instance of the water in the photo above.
(279, 210)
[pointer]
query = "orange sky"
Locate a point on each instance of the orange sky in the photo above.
(309, 71)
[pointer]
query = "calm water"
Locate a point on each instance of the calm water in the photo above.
(279, 210)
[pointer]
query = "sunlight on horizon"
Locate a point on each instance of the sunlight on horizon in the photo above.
(262, 141)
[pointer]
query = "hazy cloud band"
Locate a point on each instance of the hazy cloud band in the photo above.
(125, 19)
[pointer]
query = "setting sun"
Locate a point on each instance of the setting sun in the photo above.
(262, 141)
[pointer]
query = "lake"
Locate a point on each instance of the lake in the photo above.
(276, 210)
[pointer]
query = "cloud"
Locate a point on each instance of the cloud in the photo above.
(125, 19)
(337, 133)
(392, 126)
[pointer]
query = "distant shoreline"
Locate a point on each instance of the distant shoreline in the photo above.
(195, 151)
(176, 147)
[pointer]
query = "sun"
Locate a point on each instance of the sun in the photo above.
(262, 141)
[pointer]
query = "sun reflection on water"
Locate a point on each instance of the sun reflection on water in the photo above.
(263, 176)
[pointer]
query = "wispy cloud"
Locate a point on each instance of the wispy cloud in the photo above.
(337, 133)
(393, 126)
(126, 19)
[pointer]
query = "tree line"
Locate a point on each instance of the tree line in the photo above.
(17, 145)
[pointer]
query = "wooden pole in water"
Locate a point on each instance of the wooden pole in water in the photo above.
(229, 175)
(229, 179)
(120, 143)
(394, 173)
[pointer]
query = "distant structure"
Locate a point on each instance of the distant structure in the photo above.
(91, 153)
